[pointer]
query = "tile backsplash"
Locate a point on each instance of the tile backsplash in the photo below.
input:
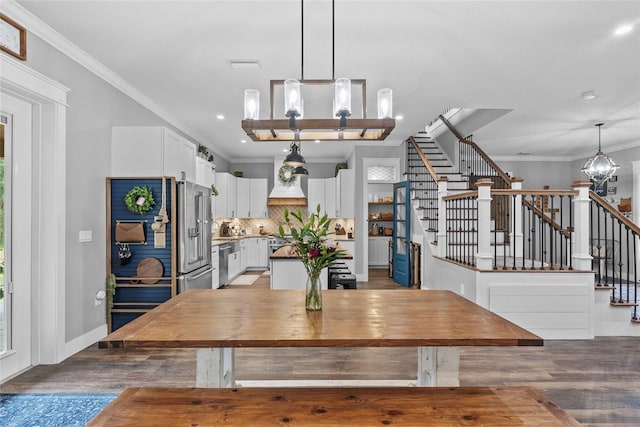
(251, 226)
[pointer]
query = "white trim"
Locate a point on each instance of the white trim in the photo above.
(327, 383)
(84, 341)
(48, 100)
(39, 28)
(14, 71)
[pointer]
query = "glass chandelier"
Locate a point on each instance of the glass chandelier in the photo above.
(600, 168)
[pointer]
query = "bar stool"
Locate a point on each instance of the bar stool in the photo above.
(333, 272)
(344, 281)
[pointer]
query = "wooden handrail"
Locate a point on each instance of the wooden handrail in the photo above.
(613, 211)
(424, 159)
(475, 146)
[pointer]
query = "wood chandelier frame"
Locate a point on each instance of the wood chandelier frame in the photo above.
(357, 129)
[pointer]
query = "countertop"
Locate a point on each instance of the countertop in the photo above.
(217, 241)
(284, 253)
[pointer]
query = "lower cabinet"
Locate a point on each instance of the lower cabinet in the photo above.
(234, 264)
(244, 254)
(258, 249)
(379, 251)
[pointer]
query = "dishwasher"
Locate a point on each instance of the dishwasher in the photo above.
(223, 265)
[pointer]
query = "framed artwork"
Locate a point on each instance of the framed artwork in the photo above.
(13, 38)
(612, 190)
(600, 190)
(614, 178)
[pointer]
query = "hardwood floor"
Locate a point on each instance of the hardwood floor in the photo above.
(595, 381)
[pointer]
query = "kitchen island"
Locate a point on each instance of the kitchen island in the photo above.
(287, 271)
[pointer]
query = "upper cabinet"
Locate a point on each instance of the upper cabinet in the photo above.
(151, 151)
(225, 206)
(252, 200)
(205, 172)
(346, 193)
(335, 195)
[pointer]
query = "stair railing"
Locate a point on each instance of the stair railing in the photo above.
(614, 244)
(475, 164)
(424, 184)
(541, 243)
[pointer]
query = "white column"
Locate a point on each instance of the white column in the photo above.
(516, 218)
(581, 203)
(442, 216)
(484, 257)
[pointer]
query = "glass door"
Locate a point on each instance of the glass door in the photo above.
(401, 233)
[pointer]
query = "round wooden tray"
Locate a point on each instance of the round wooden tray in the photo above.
(151, 268)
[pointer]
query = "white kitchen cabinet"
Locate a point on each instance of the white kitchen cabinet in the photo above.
(336, 196)
(205, 173)
(243, 202)
(234, 265)
(345, 193)
(349, 246)
(322, 192)
(330, 197)
(258, 252)
(379, 251)
(315, 194)
(244, 254)
(215, 263)
(258, 192)
(151, 151)
(225, 206)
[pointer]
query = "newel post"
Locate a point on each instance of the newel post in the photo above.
(516, 218)
(484, 257)
(443, 191)
(581, 204)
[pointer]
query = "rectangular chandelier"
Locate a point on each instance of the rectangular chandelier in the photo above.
(293, 125)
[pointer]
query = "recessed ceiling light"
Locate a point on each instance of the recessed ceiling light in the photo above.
(623, 29)
(524, 153)
(588, 95)
(317, 141)
(244, 63)
(244, 141)
(220, 117)
(285, 150)
(399, 117)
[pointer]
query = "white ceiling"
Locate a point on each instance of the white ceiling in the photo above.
(534, 58)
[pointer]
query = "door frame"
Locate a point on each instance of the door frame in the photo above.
(47, 170)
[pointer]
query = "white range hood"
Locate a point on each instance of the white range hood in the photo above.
(289, 194)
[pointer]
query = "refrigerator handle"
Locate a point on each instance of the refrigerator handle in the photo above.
(207, 271)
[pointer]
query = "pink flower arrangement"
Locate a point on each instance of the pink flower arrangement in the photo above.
(310, 240)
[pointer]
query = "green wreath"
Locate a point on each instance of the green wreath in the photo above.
(285, 174)
(139, 200)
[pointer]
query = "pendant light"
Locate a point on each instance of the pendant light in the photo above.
(294, 158)
(600, 168)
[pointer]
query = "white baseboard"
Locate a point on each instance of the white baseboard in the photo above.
(327, 383)
(84, 341)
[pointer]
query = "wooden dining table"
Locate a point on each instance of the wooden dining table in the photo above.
(217, 321)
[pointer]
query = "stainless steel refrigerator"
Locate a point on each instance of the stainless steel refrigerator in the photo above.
(194, 236)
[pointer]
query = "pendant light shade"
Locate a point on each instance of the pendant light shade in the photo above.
(300, 171)
(251, 104)
(385, 103)
(600, 168)
(294, 158)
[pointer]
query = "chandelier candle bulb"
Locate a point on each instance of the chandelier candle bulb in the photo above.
(292, 97)
(343, 100)
(385, 103)
(251, 104)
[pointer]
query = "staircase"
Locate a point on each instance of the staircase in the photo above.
(424, 180)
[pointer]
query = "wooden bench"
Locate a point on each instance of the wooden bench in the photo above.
(397, 406)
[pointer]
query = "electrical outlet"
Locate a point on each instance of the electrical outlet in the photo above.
(461, 289)
(85, 236)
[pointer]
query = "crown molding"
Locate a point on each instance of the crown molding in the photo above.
(42, 30)
(531, 158)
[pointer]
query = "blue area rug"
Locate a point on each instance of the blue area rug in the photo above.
(51, 409)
